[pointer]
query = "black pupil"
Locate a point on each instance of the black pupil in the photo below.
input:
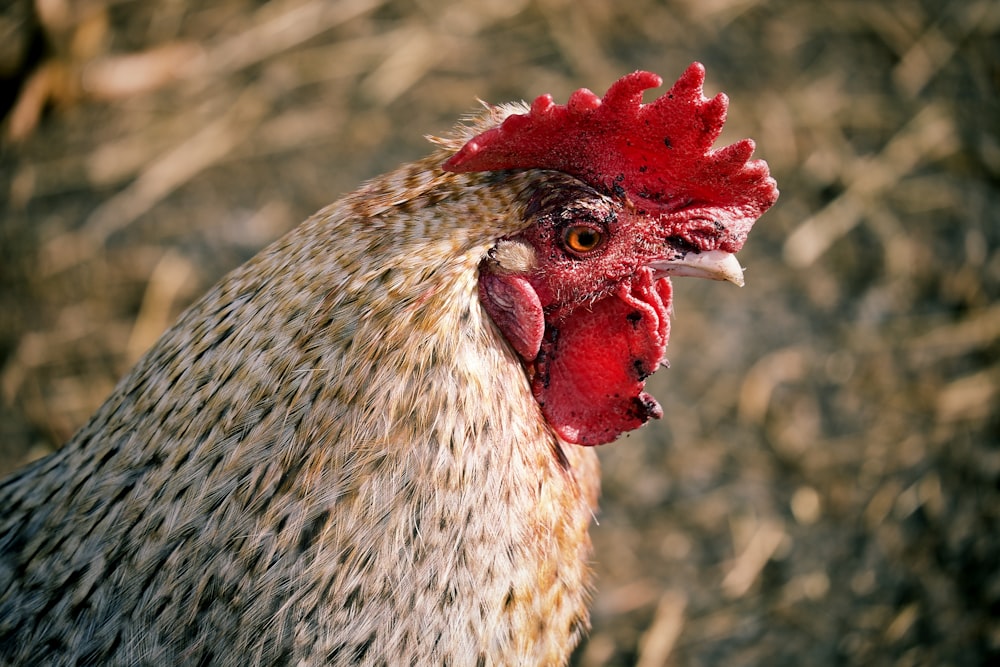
(586, 238)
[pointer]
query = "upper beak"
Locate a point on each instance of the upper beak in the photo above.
(713, 264)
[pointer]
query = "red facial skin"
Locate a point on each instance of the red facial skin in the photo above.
(590, 325)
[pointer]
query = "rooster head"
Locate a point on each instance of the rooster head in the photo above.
(582, 292)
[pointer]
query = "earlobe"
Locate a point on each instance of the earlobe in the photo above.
(514, 307)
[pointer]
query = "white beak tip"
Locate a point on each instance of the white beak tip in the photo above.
(713, 264)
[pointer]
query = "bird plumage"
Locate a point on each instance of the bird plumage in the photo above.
(264, 476)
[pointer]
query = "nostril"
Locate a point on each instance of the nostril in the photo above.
(681, 245)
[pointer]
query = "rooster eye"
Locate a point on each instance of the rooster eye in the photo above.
(582, 239)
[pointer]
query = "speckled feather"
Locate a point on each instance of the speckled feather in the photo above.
(332, 458)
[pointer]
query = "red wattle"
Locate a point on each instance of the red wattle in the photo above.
(593, 363)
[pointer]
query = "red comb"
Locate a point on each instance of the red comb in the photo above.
(660, 153)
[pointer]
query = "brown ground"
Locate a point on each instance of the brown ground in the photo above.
(825, 486)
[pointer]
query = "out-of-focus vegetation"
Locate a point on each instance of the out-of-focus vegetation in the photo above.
(825, 486)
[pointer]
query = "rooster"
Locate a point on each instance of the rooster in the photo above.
(369, 444)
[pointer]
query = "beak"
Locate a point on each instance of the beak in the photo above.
(714, 265)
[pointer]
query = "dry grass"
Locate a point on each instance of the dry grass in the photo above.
(825, 487)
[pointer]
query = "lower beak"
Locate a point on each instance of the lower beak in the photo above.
(713, 264)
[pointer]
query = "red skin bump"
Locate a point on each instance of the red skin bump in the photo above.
(514, 307)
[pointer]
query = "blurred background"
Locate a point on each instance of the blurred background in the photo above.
(825, 486)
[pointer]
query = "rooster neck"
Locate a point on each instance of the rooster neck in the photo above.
(472, 508)
(468, 514)
(430, 491)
